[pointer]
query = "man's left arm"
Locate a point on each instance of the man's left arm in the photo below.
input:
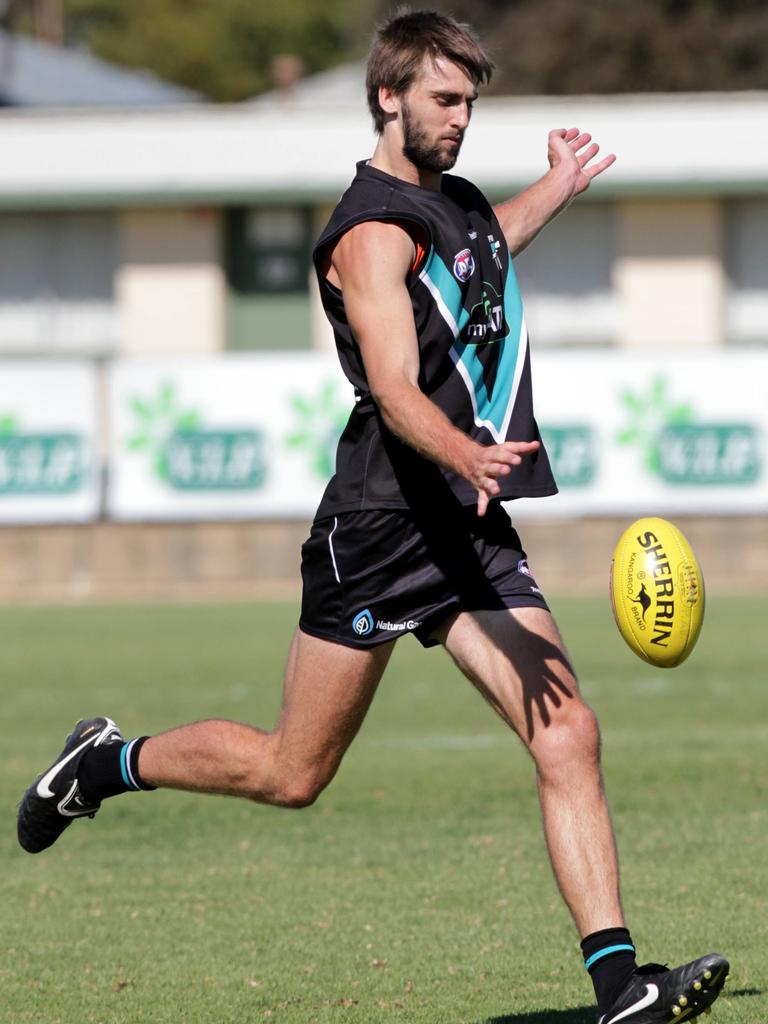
(570, 154)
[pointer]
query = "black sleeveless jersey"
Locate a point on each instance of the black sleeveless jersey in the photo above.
(473, 346)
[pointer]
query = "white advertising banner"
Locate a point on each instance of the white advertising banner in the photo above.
(49, 468)
(236, 436)
(254, 435)
(653, 433)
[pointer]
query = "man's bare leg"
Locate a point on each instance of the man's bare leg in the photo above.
(327, 691)
(517, 660)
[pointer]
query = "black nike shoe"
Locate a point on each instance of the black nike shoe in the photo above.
(54, 800)
(658, 995)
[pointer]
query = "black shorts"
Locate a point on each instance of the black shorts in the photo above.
(370, 577)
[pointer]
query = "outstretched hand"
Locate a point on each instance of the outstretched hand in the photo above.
(490, 462)
(570, 152)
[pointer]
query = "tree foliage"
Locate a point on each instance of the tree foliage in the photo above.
(610, 46)
(225, 48)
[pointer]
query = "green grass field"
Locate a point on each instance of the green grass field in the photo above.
(417, 889)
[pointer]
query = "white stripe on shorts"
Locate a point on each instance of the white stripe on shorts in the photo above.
(330, 545)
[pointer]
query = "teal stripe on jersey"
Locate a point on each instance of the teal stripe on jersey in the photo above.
(492, 411)
(446, 293)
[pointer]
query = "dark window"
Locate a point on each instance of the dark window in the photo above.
(268, 249)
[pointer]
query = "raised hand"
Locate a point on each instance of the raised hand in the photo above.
(570, 152)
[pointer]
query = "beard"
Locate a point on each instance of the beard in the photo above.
(423, 154)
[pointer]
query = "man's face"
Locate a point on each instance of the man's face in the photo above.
(435, 114)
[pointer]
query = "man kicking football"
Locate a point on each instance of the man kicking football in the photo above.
(416, 278)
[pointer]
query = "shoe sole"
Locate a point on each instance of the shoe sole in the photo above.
(700, 994)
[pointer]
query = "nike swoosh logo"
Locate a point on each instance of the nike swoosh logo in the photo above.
(651, 995)
(44, 785)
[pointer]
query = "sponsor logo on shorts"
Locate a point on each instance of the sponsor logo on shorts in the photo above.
(362, 624)
(398, 627)
(522, 566)
(464, 264)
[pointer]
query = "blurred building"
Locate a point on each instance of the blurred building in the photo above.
(146, 226)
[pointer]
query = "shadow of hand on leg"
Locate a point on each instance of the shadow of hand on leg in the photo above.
(538, 662)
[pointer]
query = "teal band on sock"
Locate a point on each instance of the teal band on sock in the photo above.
(123, 768)
(607, 952)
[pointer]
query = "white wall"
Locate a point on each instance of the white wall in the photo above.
(669, 273)
(170, 283)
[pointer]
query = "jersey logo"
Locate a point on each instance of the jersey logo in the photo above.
(486, 318)
(464, 265)
(495, 246)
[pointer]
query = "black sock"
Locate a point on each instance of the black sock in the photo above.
(609, 956)
(111, 769)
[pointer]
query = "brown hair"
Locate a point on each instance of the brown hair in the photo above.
(401, 44)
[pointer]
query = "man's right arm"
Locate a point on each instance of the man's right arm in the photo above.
(372, 262)
(570, 153)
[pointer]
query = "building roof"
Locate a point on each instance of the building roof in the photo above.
(338, 87)
(37, 74)
(666, 144)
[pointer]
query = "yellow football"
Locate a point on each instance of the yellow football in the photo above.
(657, 592)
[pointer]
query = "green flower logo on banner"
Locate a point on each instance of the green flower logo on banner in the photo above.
(157, 419)
(319, 421)
(683, 451)
(648, 413)
(9, 425)
(188, 457)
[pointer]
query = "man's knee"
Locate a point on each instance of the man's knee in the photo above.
(299, 793)
(569, 743)
(297, 790)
